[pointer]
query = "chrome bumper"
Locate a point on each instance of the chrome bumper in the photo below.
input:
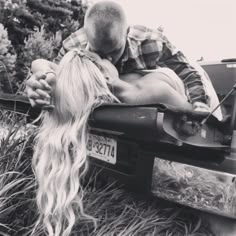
(196, 187)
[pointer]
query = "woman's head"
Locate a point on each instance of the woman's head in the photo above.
(81, 82)
(60, 152)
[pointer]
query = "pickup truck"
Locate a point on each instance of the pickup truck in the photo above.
(165, 152)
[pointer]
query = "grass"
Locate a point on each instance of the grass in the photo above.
(118, 211)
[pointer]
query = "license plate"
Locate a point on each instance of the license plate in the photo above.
(103, 148)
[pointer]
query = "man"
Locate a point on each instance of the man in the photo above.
(131, 49)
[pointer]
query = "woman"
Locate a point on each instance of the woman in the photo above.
(84, 82)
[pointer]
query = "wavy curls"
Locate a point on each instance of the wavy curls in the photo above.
(60, 153)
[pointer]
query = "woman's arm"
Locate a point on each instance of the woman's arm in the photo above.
(43, 65)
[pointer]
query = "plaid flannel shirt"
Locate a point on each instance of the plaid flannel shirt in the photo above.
(148, 49)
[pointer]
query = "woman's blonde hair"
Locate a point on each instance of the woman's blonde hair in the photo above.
(60, 154)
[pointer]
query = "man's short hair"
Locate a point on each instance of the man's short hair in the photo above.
(103, 16)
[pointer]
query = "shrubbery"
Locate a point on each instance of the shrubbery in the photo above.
(7, 61)
(33, 29)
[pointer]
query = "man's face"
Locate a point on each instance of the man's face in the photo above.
(111, 47)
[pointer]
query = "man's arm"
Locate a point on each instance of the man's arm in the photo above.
(175, 60)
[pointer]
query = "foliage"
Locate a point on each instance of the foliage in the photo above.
(7, 61)
(23, 17)
(17, 182)
(25, 20)
(38, 46)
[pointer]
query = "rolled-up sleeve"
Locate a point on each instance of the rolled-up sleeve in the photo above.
(175, 60)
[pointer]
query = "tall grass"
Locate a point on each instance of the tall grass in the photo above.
(16, 177)
(118, 211)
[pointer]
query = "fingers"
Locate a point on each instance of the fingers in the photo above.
(40, 80)
(50, 80)
(34, 82)
(45, 84)
(39, 88)
(40, 102)
(38, 98)
(42, 93)
(48, 107)
(201, 107)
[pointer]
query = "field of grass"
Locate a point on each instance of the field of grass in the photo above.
(118, 211)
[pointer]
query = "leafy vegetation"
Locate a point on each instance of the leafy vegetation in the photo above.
(7, 61)
(30, 29)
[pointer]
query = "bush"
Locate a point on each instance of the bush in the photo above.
(7, 61)
(17, 182)
(23, 18)
(37, 45)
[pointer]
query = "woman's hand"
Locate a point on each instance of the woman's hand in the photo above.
(39, 88)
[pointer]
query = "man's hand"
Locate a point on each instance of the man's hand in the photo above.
(39, 88)
(201, 107)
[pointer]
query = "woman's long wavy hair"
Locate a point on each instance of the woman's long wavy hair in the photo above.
(60, 154)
